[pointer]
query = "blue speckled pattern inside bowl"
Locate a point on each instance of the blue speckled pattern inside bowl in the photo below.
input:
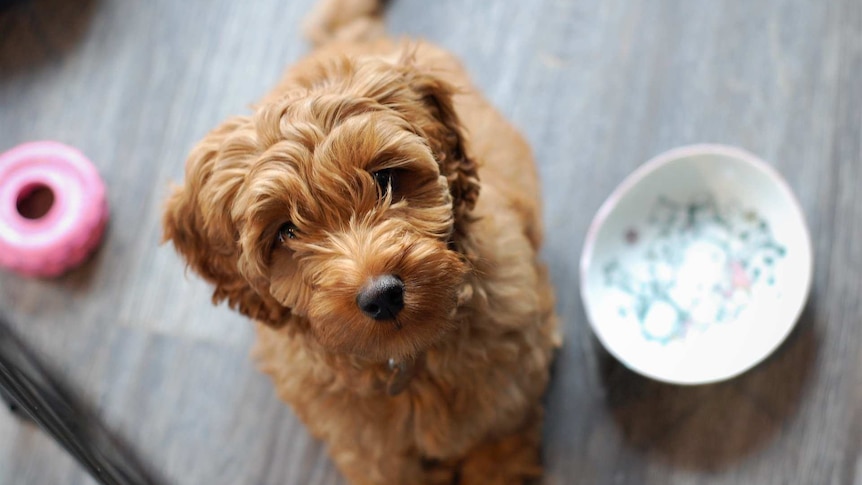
(697, 266)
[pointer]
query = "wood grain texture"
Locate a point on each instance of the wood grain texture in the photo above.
(598, 86)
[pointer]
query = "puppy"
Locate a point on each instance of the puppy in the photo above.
(380, 222)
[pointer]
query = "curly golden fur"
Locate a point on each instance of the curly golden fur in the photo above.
(286, 214)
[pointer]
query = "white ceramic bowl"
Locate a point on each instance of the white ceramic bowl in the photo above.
(697, 266)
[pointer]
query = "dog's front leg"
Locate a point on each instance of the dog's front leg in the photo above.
(376, 465)
(513, 459)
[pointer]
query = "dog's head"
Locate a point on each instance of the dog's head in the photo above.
(337, 208)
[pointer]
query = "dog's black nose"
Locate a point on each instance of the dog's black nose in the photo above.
(382, 298)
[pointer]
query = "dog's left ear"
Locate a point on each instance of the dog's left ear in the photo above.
(447, 139)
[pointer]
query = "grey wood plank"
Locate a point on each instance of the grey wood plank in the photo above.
(598, 86)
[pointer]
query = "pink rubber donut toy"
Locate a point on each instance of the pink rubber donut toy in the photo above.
(59, 235)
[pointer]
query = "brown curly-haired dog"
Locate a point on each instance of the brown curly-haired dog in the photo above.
(401, 307)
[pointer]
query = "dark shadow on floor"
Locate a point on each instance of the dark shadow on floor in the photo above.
(35, 32)
(35, 392)
(711, 427)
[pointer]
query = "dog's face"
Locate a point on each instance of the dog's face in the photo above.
(336, 208)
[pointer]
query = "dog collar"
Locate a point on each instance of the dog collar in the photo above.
(400, 374)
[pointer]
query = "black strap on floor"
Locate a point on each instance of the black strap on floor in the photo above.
(32, 392)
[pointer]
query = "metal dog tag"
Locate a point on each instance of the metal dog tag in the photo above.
(400, 377)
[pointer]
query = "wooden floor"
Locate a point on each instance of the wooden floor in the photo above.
(598, 86)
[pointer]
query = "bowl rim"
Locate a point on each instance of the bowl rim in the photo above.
(638, 175)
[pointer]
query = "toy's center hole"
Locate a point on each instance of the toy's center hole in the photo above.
(35, 201)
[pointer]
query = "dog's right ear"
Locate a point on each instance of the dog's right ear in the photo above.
(197, 219)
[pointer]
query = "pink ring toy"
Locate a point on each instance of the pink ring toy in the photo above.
(50, 241)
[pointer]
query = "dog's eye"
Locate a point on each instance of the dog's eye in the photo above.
(286, 231)
(385, 180)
